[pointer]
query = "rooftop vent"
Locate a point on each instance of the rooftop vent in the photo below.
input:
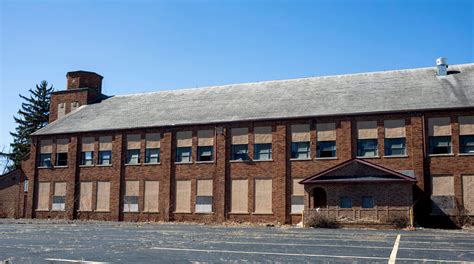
(441, 64)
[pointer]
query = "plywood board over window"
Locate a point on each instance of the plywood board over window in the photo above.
(134, 141)
(442, 185)
(300, 133)
(205, 138)
(152, 190)
(367, 130)
(395, 128)
(239, 196)
(62, 145)
(326, 131)
(240, 136)
(43, 196)
(466, 125)
(263, 196)
(184, 139)
(204, 196)
(439, 126)
(105, 143)
(88, 144)
(153, 140)
(262, 135)
(103, 196)
(183, 197)
(46, 146)
(468, 193)
(85, 200)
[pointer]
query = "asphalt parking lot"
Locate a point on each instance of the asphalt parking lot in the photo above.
(115, 242)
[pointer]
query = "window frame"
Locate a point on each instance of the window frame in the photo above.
(180, 151)
(130, 156)
(101, 158)
(201, 149)
(463, 144)
(436, 139)
(257, 151)
(295, 146)
(149, 157)
(129, 205)
(389, 151)
(319, 149)
(84, 158)
(360, 144)
(58, 160)
(240, 147)
(45, 163)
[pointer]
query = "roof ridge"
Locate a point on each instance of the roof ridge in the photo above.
(291, 79)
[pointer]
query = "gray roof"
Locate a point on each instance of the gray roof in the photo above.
(375, 92)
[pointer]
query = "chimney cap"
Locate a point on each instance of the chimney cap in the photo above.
(80, 72)
(441, 61)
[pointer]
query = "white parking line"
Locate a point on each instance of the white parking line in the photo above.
(393, 255)
(293, 244)
(265, 253)
(74, 261)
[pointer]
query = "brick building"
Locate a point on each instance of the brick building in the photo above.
(360, 147)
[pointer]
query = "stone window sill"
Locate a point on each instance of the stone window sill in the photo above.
(293, 159)
(131, 212)
(61, 167)
(328, 158)
(151, 212)
(85, 211)
(104, 165)
(86, 166)
(368, 157)
(150, 163)
(133, 164)
(45, 167)
(395, 156)
(239, 213)
(239, 161)
(262, 213)
(183, 163)
(204, 162)
(270, 160)
(466, 154)
(204, 213)
(441, 155)
(188, 212)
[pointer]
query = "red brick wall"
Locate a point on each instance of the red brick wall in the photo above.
(67, 97)
(282, 170)
(11, 193)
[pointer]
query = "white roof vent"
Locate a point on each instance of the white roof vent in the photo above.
(442, 65)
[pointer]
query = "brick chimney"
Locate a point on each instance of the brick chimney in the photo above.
(82, 88)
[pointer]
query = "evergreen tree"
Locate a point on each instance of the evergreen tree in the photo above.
(33, 115)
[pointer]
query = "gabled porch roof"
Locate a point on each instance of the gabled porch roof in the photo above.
(357, 170)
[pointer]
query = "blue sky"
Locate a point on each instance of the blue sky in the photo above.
(143, 46)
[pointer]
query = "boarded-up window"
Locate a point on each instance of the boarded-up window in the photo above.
(239, 196)
(263, 196)
(394, 128)
(62, 145)
(105, 143)
(297, 197)
(262, 135)
(367, 130)
(439, 126)
(134, 141)
(103, 196)
(183, 197)
(59, 197)
(300, 133)
(326, 131)
(61, 110)
(206, 138)
(240, 136)
(130, 201)
(468, 193)
(46, 146)
(184, 139)
(466, 125)
(152, 191)
(153, 140)
(43, 196)
(85, 201)
(442, 185)
(87, 144)
(204, 196)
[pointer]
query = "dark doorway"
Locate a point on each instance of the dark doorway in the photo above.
(319, 195)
